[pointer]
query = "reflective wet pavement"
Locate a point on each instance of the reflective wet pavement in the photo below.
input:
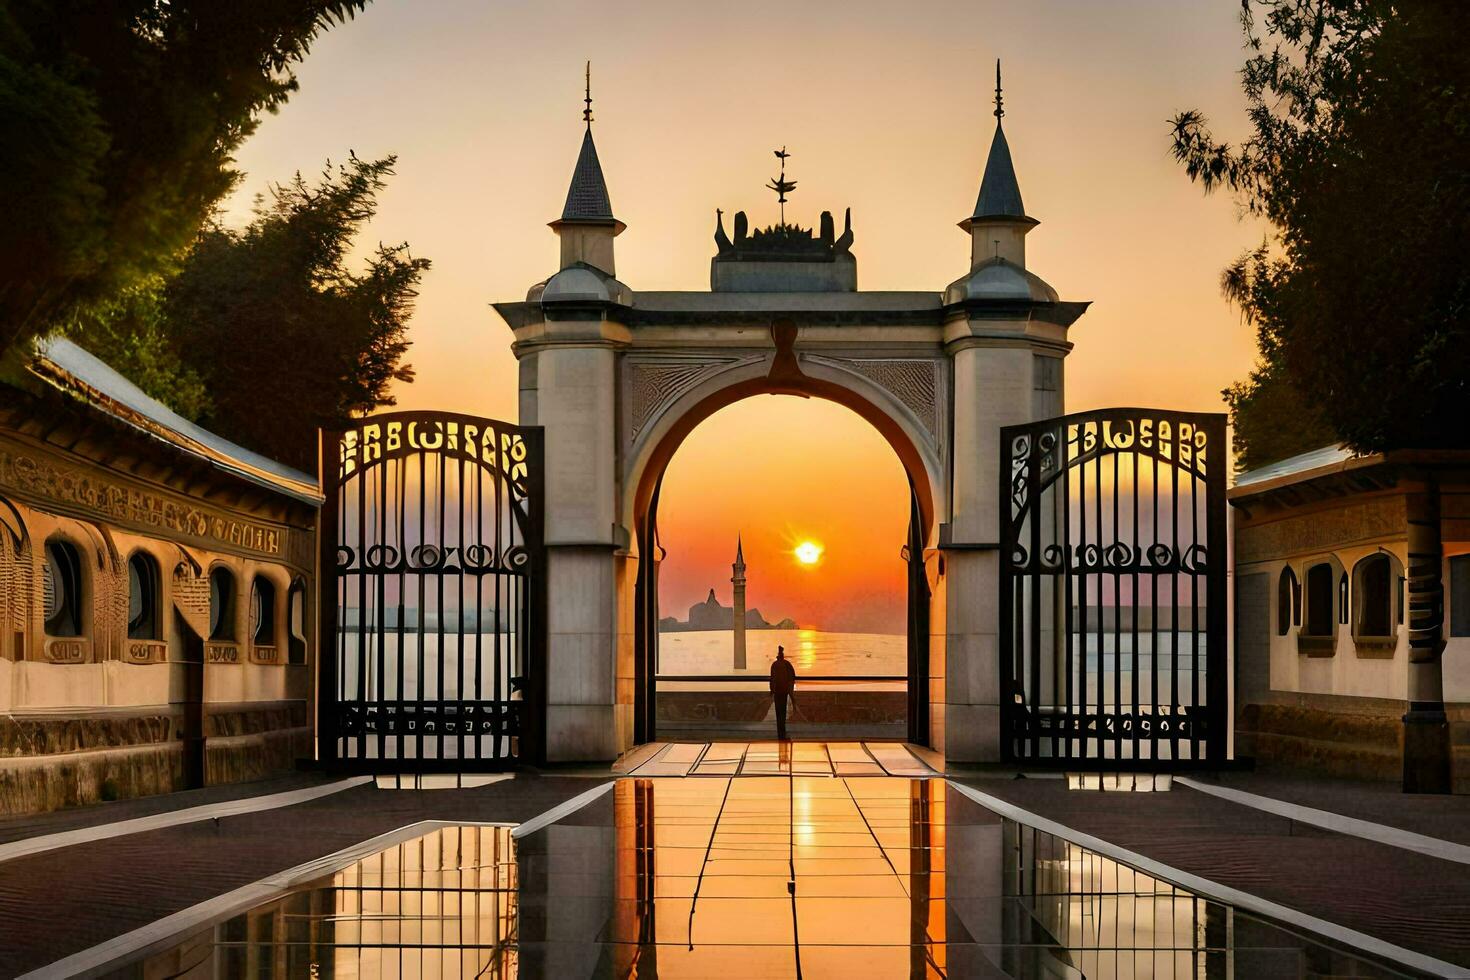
(759, 876)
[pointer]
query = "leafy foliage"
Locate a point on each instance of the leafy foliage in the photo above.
(130, 332)
(1360, 160)
(273, 324)
(118, 120)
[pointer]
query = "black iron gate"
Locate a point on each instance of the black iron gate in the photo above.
(1112, 590)
(432, 602)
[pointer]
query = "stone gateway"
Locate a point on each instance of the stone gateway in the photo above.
(617, 377)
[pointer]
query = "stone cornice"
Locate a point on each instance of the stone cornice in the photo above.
(527, 314)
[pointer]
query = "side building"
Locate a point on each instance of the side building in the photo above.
(156, 594)
(1352, 615)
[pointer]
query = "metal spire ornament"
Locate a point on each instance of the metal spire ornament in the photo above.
(999, 105)
(780, 184)
(587, 112)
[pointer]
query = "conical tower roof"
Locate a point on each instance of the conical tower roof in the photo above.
(1000, 193)
(587, 198)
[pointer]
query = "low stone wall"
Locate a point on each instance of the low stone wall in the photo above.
(47, 763)
(828, 712)
(1364, 742)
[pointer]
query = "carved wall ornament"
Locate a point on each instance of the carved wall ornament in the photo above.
(66, 650)
(654, 384)
(222, 653)
(76, 489)
(914, 381)
(147, 651)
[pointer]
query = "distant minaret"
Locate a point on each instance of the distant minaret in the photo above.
(738, 580)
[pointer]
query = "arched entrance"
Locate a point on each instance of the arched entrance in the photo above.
(782, 374)
(617, 377)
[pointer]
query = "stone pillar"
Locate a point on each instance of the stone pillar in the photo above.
(992, 388)
(1006, 372)
(574, 376)
(1427, 751)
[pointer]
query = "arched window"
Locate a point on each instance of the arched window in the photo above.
(61, 582)
(296, 623)
(1286, 609)
(1373, 588)
(221, 605)
(263, 612)
(143, 595)
(1318, 619)
(1342, 598)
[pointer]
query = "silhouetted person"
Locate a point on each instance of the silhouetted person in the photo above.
(783, 681)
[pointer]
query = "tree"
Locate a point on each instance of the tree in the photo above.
(281, 335)
(118, 120)
(131, 333)
(1359, 158)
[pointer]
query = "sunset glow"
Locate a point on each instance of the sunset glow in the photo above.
(1081, 114)
(808, 552)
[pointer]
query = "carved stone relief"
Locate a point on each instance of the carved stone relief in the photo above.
(1322, 530)
(654, 383)
(915, 382)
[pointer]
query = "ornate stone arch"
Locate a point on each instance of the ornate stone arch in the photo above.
(665, 427)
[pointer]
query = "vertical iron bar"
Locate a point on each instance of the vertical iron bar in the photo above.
(1117, 625)
(1175, 567)
(1033, 586)
(1137, 557)
(500, 488)
(503, 519)
(1102, 620)
(461, 718)
(382, 603)
(419, 636)
(439, 572)
(479, 709)
(1010, 746)
(1074, 450)
(1195, 735)
(1153, 580)
(1064, 472)
(1217, 653)
(400, 705)
(363, 617)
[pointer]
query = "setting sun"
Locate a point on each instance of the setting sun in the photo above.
(808, 552)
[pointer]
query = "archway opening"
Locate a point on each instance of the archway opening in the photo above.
(783, 522)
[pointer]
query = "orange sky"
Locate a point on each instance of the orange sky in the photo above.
(886, 108)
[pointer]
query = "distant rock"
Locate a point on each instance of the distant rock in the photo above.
(711, 615)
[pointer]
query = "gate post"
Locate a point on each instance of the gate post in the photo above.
(568, 388)
(1006, 372)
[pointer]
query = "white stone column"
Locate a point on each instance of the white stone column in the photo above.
(575, 378)
(993, 387)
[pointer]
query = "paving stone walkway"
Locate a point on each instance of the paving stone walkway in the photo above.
(74, 897)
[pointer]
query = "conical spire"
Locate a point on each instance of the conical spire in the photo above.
(587, 226)
(587, 198)
(739, 551)
(1000, 194)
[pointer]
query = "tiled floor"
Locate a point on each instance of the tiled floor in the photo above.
(780, 759)
(816, 876)
(777, 875)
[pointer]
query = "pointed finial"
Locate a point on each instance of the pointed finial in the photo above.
(780, 184)
(587, 112)
(999, 106)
